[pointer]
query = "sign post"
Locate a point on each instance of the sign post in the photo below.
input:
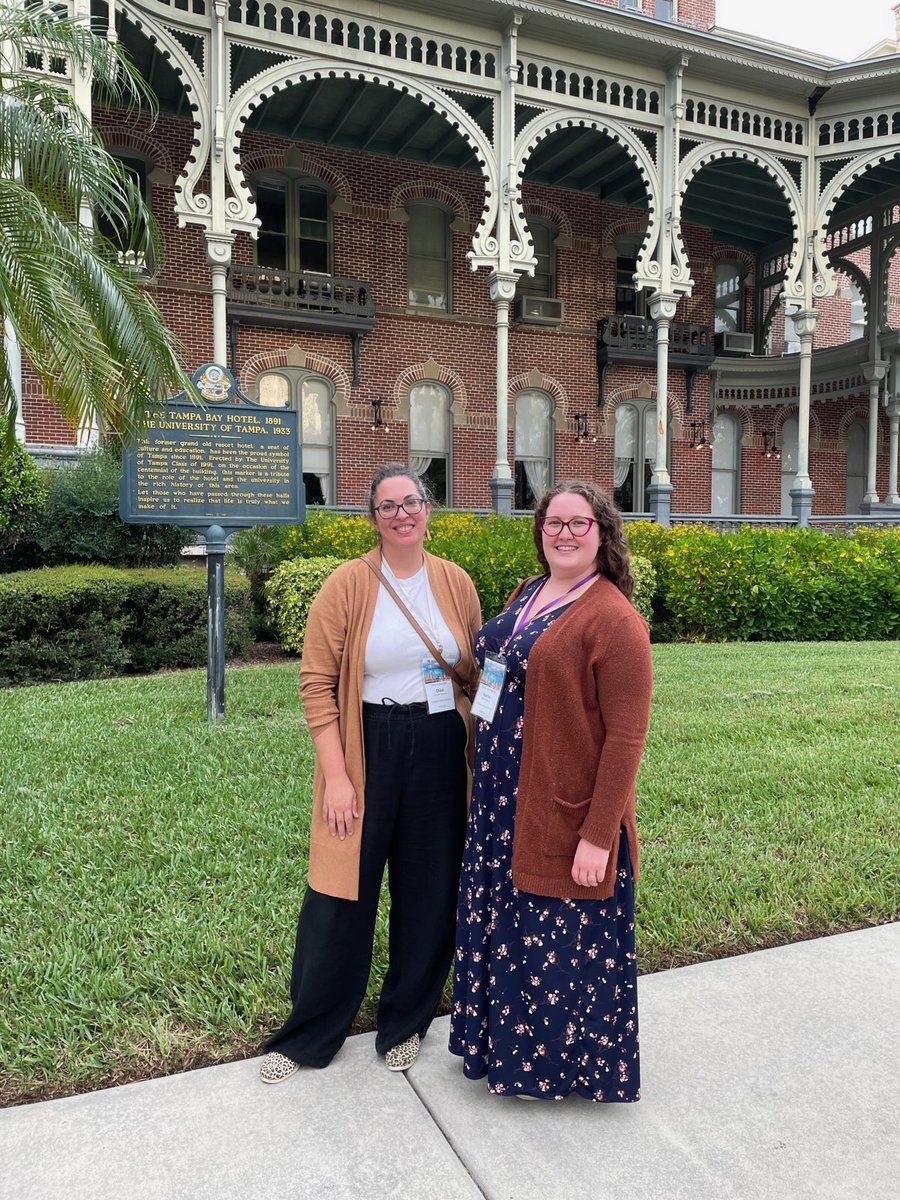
(222, 464)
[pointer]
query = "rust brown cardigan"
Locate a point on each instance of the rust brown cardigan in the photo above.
(331, 682)
(587, 707)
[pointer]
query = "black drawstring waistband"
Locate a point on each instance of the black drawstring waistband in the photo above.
(391, 710)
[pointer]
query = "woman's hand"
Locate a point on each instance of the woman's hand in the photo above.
(589, 866)
(340, 808)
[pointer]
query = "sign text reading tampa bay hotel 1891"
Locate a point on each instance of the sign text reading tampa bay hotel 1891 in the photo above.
(230, 464)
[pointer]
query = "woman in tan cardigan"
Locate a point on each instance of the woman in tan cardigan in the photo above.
(391, 732)
(545, 987)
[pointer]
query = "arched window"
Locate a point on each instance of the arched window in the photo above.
(543, 282)
(139, 169)
(629, 301)
(294, 211)
(431, 437)
(726, 465)
(729, 297)
(313, 396)
(790, 435)
(534, 446)
(429, 266)
(635, 454)
(857, 464)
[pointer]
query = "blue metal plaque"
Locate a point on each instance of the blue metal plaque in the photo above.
(228, 461)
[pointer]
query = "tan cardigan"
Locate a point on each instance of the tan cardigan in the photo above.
(331, 683)
(587, 706)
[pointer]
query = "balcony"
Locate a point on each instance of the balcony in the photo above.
(299, 300)
(632, 340)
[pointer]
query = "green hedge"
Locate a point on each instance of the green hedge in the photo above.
(760, 584)
(290, 592)
(64, 623)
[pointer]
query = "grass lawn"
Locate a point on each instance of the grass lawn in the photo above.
(151, 865)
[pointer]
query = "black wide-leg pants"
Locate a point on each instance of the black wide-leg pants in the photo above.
(414, 823)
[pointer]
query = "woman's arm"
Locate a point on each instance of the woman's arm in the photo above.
(340, 808)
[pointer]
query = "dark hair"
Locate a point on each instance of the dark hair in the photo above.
(396, 470)
(613, 559)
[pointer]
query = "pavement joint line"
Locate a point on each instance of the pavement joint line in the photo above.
(439, 1125)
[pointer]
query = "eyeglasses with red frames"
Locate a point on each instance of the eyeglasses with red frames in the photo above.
(578, 526)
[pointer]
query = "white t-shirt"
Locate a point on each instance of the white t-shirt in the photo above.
(394, 651)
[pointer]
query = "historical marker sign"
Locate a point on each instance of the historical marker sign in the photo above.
(229, 462)
(217, 466)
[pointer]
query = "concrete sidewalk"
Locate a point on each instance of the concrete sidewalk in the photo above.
(775, 1074)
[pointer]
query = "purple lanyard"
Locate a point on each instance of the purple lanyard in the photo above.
(525, 615)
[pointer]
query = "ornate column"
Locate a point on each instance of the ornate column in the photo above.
(218, 255)
(802, 492)
(503, 289)
(662, 310)
(892, 407)
(874, 372)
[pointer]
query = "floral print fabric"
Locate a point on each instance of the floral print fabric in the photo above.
(544, 989)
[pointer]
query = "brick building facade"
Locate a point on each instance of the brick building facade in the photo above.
(351, 207)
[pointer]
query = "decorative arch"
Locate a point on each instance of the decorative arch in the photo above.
(431, 372)
(704, 154)
(296, 356)
(843, 266)
(620, 228)
(850, 173)
(557, 119)
(546, 383)
(734, 254)
(239, 207)
(190, 208)
(859, 412)
(125, 137)
(793, 410)
(549, 212)
(428, 189)
(643, 391)
(299, 160)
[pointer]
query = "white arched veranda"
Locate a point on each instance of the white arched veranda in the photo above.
(559, 119)
(240, 208)
(190, 208)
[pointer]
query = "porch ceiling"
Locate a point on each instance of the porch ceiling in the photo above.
(740, 203)
(587, 160)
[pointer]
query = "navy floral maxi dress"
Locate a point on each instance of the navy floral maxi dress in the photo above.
(544, 989)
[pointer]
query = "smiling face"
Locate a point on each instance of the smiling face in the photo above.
(402, 531)
(570, 557)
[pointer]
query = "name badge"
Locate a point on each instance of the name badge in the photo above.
(438, 687)
(489, 688)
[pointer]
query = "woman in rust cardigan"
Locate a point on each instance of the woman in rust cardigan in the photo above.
(545, 982)
(390, 788)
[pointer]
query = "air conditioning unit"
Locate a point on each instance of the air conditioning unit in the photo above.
(540, 310)
(734, 343)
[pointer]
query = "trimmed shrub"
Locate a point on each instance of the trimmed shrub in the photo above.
(80, 520)
(290, 592)
(330, 535)
(65, 623)
(759, 584)
(22, 494)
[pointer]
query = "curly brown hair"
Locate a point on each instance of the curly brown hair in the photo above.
(613, 559)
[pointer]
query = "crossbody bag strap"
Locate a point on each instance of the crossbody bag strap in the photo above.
(451, 671)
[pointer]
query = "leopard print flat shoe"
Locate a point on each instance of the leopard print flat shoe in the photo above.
(275, 1068)
(402, 1057)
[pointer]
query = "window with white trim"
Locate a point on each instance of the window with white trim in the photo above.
(431, 437)
(294, 211)
(635, 454)
(790, 437)
(139, 170)
(857, 465)
(312, 396)
(726, 465)
(629, 301)
(534, 434)
(729, 297)
(857, 315)
(429, 256)
(543, 281)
